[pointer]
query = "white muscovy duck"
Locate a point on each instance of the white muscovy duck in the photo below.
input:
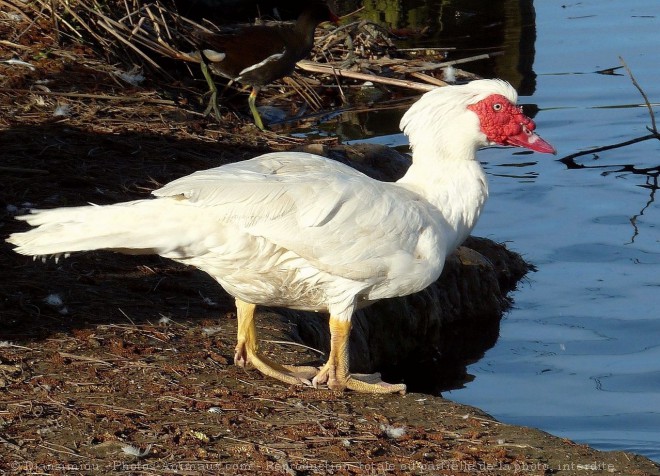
(305, 232)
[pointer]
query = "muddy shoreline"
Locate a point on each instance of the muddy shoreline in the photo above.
(130, 371)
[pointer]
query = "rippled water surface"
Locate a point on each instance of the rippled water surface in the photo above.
(579, 355)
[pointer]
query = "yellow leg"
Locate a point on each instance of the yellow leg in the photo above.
(335, 372)
(213, 102)
(247, 332)
(247, 351)
(251, 101)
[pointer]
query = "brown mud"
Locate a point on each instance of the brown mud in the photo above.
(123, 365)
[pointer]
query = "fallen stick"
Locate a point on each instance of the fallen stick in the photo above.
(14, 45)
(343, 73)
(444, 64)
(104, 97)
(429, 79)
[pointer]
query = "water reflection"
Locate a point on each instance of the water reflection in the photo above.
(651, 184)
(471, 26)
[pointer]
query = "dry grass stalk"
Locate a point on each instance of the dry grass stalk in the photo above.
(149, 33)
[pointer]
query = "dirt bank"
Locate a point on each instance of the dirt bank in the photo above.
(112, 364)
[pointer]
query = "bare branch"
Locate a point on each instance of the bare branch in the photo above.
(641, 91)
(568, 160)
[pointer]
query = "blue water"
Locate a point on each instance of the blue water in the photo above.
(579, 354)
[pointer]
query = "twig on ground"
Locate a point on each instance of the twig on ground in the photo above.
(85, 358)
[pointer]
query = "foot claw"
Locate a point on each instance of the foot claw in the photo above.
(374, 385)
(365, 383)
(240, 356)
(321, 378)
(285, 373)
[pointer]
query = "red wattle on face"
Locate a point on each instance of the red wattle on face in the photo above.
(504, 123)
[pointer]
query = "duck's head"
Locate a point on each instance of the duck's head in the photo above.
(477, 114)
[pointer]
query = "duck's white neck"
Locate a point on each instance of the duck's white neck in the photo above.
(451, 179)
(445, 133)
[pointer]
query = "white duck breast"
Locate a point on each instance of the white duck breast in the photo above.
(302, 231)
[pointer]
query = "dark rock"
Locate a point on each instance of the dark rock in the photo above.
(375, 160)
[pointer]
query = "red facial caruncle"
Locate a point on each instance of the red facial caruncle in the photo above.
(504, 123)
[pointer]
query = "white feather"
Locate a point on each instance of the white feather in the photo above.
(299, 230)
(263, 62)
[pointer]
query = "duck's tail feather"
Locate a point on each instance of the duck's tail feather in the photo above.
(138, 227)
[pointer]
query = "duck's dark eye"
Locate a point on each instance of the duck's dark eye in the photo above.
(497, 106)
